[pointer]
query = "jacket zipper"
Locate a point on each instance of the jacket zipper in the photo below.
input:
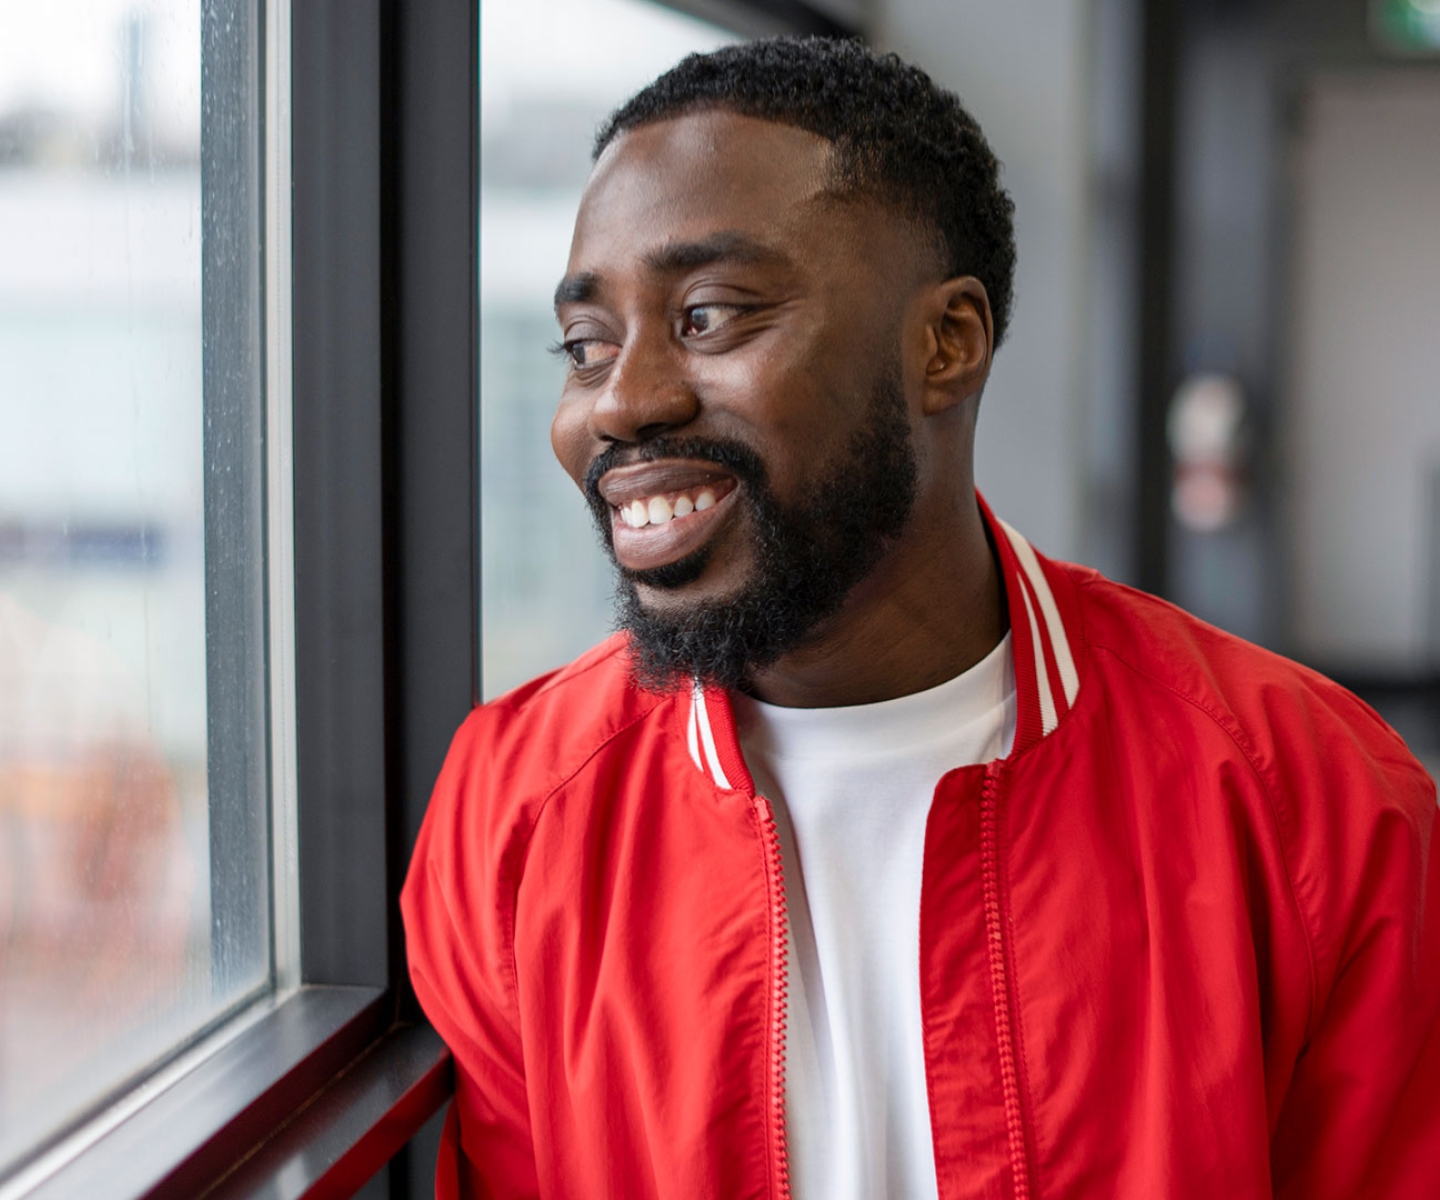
(779, 993)
(995, 940)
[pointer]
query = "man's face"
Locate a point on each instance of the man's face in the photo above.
(734, 408)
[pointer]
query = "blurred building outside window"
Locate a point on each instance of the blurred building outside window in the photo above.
(109, 930)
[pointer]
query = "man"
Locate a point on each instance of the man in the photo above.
(879, 855)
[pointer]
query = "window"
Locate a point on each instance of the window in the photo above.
(225, 685)
(134, 780)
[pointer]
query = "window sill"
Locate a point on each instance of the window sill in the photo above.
(311, 1100)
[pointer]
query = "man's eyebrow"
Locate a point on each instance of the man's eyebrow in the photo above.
(676, 257)
(727, 246)
(576, 289)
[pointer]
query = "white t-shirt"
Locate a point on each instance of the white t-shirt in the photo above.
(852, 789)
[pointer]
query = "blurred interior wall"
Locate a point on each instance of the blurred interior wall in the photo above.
(1330, 559)
(1021, 69)
(1228, 139)
(1110, 304)
(1362, 415)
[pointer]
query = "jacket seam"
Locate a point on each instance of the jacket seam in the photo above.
(776, 995)
(1026, 1100)
(1272, 807)
(524, 854)
(992, 900)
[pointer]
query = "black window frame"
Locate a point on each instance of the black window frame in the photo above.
(325, 1085)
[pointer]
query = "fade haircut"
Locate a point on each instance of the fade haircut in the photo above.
(898, 136)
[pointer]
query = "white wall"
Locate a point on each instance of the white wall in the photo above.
(1021, 70)
(1363, 411)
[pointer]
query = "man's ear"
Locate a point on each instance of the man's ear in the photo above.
(961, 334)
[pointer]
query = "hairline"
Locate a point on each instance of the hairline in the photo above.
(839, 187)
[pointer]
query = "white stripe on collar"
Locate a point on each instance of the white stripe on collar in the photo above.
(700, 715)
(1048, 717)
(1059, 642)
(692, 736)
(700, 737)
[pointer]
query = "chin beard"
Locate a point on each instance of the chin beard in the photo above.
(807, 558)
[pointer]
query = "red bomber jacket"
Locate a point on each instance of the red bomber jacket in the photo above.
(1183, 942)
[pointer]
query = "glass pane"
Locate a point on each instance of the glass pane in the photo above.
(550, 74)
(128, 499)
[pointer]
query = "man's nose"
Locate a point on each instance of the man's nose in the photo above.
(647, 394)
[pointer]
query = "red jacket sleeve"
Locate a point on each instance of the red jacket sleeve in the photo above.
(458, 910)
(1362, 1114)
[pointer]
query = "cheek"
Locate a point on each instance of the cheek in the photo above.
(796, 388)
(809, 423)
(568, 439)
(801, 433)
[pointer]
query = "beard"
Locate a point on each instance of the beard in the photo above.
(807, 557)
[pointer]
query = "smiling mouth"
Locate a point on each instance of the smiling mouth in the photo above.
(660, 512)
(667, 507)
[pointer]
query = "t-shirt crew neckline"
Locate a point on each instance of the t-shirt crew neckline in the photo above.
(885, 727)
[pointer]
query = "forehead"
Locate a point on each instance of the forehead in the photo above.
(684, 178)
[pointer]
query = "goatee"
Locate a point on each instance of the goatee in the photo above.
(807, 558)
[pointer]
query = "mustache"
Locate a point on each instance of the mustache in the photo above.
(727, 453)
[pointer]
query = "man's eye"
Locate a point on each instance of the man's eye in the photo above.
(706, 318)
(587, 352)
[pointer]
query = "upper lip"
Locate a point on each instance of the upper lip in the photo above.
(622, 485)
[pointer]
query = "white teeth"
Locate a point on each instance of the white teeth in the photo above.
(657, 510)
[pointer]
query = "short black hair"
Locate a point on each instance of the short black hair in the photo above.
(898, 136)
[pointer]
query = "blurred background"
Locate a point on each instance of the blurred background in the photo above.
(1222, 382)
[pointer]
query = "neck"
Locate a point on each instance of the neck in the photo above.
(932, 609)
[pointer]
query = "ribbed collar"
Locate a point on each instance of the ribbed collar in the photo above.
(1047, 663)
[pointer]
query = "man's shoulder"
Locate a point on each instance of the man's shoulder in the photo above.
(510, 756)
(1273, 709)
(513, 752)
(598, 680)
